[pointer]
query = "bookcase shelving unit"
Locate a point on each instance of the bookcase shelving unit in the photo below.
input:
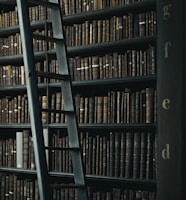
(107, 133)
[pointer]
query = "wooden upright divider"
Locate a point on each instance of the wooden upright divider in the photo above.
(171, 62)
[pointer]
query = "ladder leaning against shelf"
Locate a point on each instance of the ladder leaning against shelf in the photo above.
(31, 75)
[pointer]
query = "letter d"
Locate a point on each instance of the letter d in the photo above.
(166, 152)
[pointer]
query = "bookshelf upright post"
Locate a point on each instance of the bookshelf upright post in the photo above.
(171, 61)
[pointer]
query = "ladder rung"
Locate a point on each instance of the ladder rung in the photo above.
(40, 24)
(45, 3)
(71, 185)
(52, 75)
(63, 148)
(46, 38)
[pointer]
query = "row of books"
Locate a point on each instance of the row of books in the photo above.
(25, 157)
(14, 109)
(126, 64)
(72, 7)
(115, 28)
(118, 107)
(130, 63)
(124, 194)
(17, 151)
(92, 32)
(104, 153)
(8, 152)
(37, 13)
(11, 45)
(114, 154)
(10, 18)
(115, 194)
(11, 75)
(13, 187)
(115, 107)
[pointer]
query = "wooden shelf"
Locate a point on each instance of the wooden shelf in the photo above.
(90, 86)
(92, 180)
(85, 127)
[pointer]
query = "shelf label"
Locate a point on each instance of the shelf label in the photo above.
(166, 104)
(166, 152)
(167, 46)
(166, 11)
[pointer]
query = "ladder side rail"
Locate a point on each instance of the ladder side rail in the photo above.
(33, 98)
(66, 86)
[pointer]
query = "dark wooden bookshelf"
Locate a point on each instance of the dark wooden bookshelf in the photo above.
(90, 88)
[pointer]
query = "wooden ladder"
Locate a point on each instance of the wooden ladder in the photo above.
(64, 78)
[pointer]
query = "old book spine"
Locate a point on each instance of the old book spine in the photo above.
(31, 154)
(81, 110)
(149, 105)
(94, 147)
(57, 158)
(26, 109)
(122, 154)
(149, 160)
(90, 154)
(97, 154)
(52, 102)
(137, 107)
(136, 155)
(118, 107)
(104, 160)
(19, 149)
(58, 101)
(95, 67)
(113, 106)
(108, 156)
(117, 154)
(100, 155)
(82, 68)
(142, 106)
(128, 154)
(44, 104)
(143, 155)
(87, 68)
(105, 109)
(132, 108)
(99, 109)
(86, 112)
(112, 154)
(25, 149)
